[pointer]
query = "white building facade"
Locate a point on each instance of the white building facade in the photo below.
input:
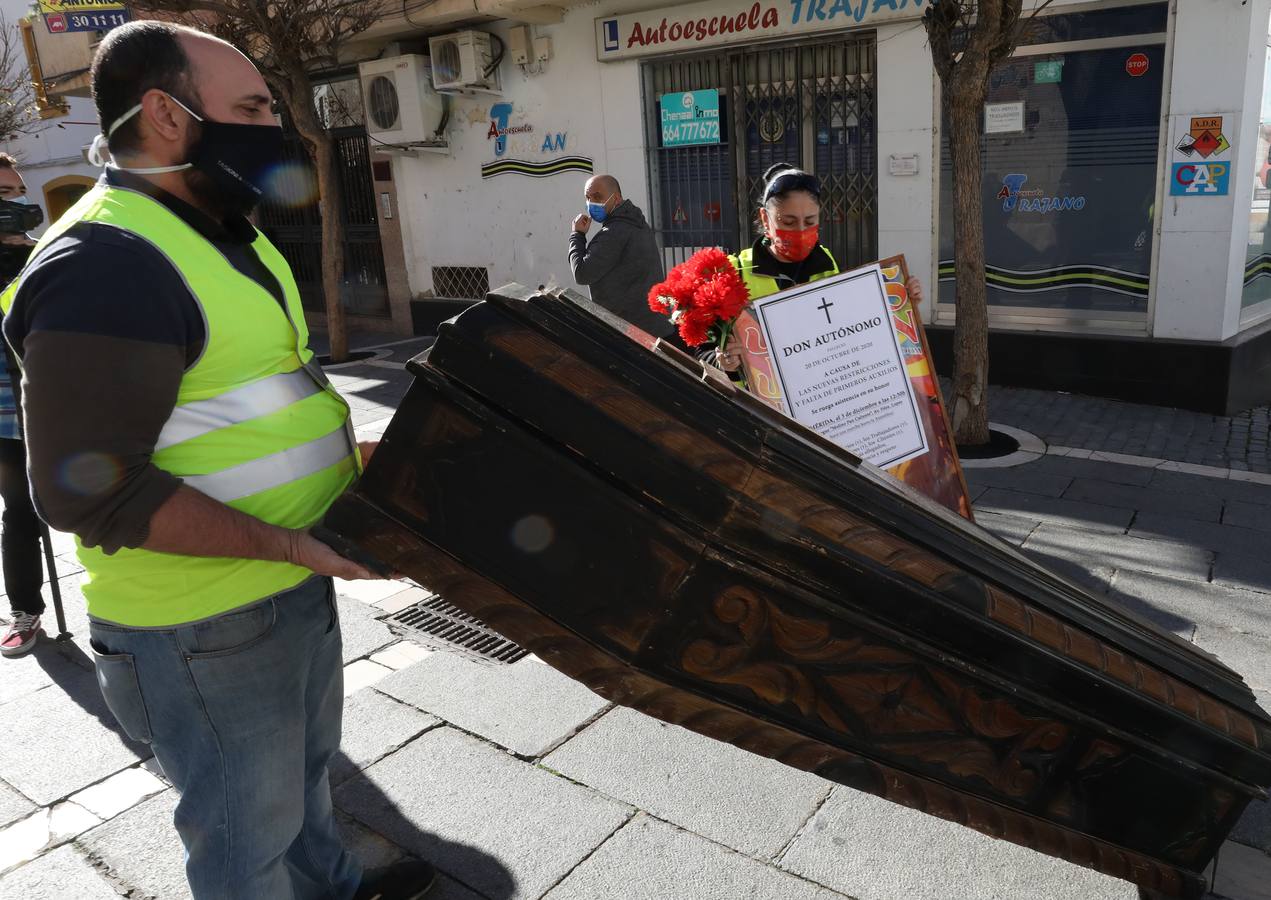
(1125, 168)
(50, 156)
(1125, 176)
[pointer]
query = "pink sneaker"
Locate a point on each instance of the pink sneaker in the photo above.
(22, 634)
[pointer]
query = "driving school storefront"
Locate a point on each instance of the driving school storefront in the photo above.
(1112, 168)
(1124, 233)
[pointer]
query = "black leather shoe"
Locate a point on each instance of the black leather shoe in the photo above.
(407, 880)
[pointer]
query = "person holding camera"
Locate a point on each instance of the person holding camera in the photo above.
(20, 539)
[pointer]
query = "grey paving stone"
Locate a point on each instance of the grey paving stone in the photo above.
(1221, 488)
(1120, 552)
(1020, 478)
(376, 851)
(1243, 874)
(1206, 604)
(142, 850)
(1241, 570)
(871, 849)
(1206, 535)
(527, 707)
(1148, 499)
(1068, 512)
(651, 860)
(361, 632)
(1117, 473)
(61, 875)
(747, 802)
(13, 805)
(27, 674)
(374, 726)
(1254, 827)
(35, 755)
(1093, 579)
(500, 826)
(1012, 529)
(49, 663)
(1246, 653)
(1247, 515)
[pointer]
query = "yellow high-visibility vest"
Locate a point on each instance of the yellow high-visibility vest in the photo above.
(763, 285)
(256, 424)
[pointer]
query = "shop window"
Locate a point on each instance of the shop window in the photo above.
(1255, 298)
(1071, 135)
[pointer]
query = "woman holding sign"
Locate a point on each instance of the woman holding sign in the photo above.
(788, 253)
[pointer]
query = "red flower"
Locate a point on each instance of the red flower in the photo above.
(700, 292)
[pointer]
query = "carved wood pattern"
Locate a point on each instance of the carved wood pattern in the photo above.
(622, 684)
(1048, 630)
(808, 512)
(865, 539)
(874, 692)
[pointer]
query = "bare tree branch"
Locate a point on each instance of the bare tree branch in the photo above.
(17, 95)
(286, 39)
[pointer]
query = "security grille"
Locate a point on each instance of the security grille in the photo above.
(436, 623)
(812, 105)
(461, 282)
(293, 222)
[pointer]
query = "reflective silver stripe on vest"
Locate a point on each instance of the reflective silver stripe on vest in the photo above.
(258, 475)
(269, 395)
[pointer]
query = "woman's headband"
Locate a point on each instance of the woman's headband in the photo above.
(792, 181)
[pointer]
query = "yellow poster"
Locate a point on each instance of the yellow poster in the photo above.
(53, 7)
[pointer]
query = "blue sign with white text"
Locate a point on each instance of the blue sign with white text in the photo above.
(1200, 179)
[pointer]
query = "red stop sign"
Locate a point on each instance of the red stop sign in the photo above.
(1137, 65)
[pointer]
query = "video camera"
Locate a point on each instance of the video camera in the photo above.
(16, 218)
(19, 218)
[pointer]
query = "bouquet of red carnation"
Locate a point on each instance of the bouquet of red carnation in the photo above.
(700, 293)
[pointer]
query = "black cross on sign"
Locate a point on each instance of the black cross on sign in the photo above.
(825, 308)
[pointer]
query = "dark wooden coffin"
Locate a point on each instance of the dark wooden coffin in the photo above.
(681, 548)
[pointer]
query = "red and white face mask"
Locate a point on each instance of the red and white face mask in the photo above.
(795, 246)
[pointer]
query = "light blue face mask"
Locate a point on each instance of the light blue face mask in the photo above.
(597, 211)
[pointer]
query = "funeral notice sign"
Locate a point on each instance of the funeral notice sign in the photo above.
(840, 368)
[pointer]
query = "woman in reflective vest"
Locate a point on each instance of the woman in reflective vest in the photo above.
(788, 252)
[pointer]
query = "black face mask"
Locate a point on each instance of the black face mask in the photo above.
(236, 159)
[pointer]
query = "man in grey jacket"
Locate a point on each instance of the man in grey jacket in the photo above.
(622, 262)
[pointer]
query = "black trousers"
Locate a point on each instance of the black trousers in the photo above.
(20, 552)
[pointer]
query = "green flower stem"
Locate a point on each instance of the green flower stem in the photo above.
(725, 332)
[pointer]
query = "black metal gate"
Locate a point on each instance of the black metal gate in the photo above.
(293, 221)
(812, 105)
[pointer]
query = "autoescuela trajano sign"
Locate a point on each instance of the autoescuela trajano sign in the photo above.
(690, 26)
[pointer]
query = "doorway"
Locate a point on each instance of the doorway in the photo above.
(60, 194)
(294, 225)
(813, 105)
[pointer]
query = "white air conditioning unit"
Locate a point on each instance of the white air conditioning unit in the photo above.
(400, 106)
(464, 61)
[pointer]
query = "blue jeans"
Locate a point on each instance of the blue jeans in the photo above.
(243, 713)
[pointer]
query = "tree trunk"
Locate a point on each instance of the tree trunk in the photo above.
(964, 99)
(325, 159)
(331, 206)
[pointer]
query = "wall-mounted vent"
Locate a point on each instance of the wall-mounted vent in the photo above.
(461, 282)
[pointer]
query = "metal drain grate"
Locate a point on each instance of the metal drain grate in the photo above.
(439, 624)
